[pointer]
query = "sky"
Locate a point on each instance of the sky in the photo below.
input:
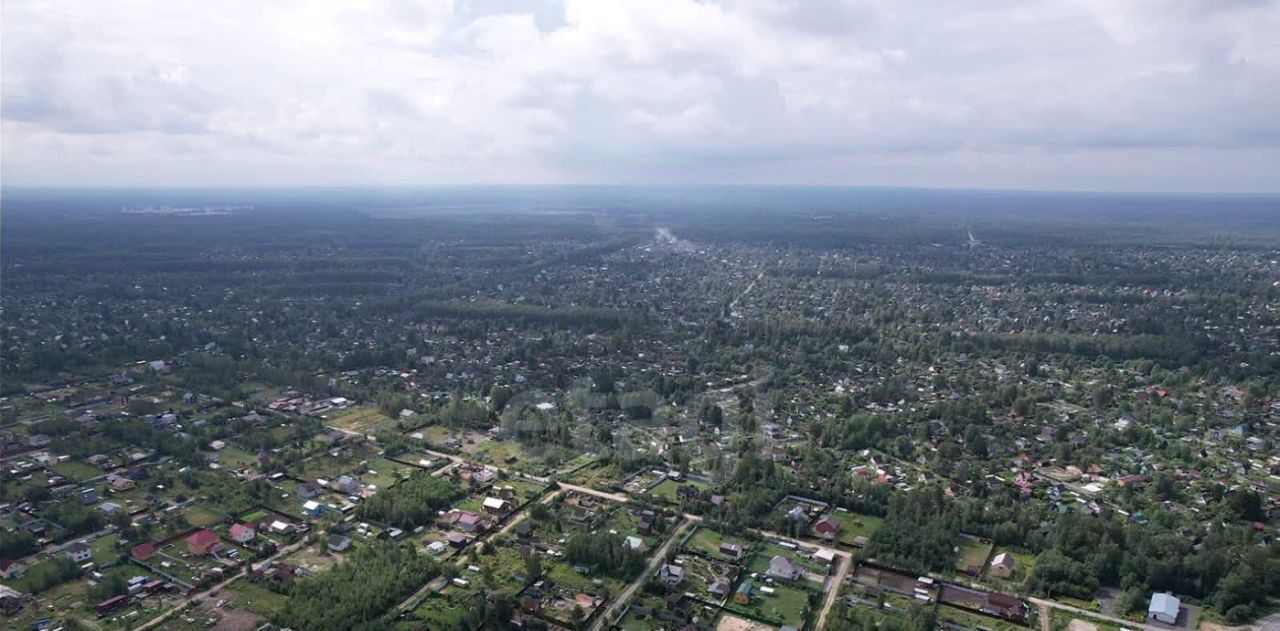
(1107, 95)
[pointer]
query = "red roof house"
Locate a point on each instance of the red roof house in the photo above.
(201, 542)
(827, 527)
(242, 533)
(142, 552)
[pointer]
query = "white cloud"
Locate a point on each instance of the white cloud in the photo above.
(1047, 94)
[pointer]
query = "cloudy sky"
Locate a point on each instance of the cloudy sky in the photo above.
(1158, 95)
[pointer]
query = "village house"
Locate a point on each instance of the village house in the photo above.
(731, 551)
(496, 506)
(313, 508)
(671, 575)
(202, 542)
(79, 552)
(1002, 565)
(143, 551)
(242, 533)
(782, 568)
(1164, 608)
(826, 527)
(10, 569)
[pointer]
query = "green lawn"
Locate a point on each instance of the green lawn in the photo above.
(785, 606)
(76, 470)
(666, 489)
(201, 517)
(233, 457)
(707, 541)
(257, 598)
(254, 516)
(854, 524)
(504, 452)
(364, 420)
(972, 552)
(104, 549)
(386, 472)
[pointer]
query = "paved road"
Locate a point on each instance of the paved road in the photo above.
(658, 559)
(289, 549)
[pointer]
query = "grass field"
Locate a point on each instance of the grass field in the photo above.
(707, 541)
(855, 524)
(364, 419)
(233, 457)
(104, 549)
(666, 489)
(201, 517)
(504, 452)
(386, 472)
(257, 598)
(76, 470)
(255, 516)
(972, 553)
(786, 605)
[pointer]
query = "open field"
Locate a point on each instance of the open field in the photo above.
(362, 419)
(972, 554)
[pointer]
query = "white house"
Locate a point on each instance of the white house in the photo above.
(1164, 608)
(79, 552)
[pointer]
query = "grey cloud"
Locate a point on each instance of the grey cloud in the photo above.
(833, 91)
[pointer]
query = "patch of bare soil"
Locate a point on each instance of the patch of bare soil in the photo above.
(734, 623)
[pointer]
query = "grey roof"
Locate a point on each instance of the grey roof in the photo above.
(1164, 604)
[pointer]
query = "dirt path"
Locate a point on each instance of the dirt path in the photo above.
(1129, 624)
(834, 593)
(658, 559)
(204, 595)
